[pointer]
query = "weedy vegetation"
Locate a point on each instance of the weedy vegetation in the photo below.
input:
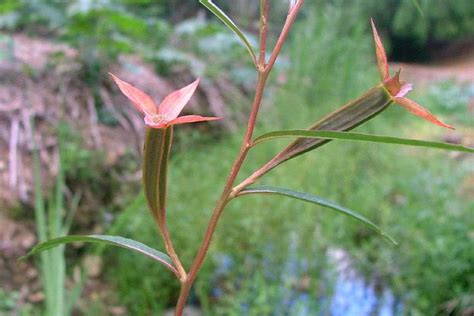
(264, 166)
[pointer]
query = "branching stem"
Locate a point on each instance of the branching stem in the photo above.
(227, 193)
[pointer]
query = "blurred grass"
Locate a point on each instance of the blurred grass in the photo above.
(412, 193)
(48, 225)
(52, 221)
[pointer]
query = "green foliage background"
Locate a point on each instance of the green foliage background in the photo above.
(122, 26)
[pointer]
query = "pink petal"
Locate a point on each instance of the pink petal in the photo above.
(174, 103)
(420, 111)
(380, 52)
(142, 101)
(192, 119)
(404, 90)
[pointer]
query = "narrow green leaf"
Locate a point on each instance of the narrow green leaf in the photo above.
(316, 200)
(74, 294)
(46, 258)
(55, 214)
(361, 137)
(345, 118)
(155, 168)
(111, 240)
(71, 213)
(417, 5)
(230, 24)
(40, 212)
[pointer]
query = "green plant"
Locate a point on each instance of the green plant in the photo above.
(386, 191)
(160, 120)
(441, 21)
(451, 98)
(7, 300)
(52, 222)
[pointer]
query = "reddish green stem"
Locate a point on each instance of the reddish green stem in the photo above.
(227, 193)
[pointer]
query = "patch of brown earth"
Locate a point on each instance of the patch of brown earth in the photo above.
(43, 81)
(458, 67)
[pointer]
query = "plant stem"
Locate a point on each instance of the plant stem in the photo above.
(264, 9)
(227, 193)
(224, 198)
(276, 51)
(255, 176)
(171, 251)
(290, 19)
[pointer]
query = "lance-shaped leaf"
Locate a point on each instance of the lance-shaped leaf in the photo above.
(111, 240)
(345, 118)
(155, 166)
(230, 24)
(300, 133)
(316, 200)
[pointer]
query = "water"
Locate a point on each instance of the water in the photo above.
(353, 295)
(347, 293)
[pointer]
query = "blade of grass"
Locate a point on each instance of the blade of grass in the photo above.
(72, 211)
(230, 24)
(40, 222)
(74, 294)
(360, 137)
(56, 264)
(417, 5)
(264, 189)
(55, 223)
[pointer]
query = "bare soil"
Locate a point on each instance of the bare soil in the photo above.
(459, 66)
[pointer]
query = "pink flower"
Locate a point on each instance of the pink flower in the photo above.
(165, 114)
(397, 88)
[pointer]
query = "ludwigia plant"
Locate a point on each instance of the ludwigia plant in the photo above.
(160, 120)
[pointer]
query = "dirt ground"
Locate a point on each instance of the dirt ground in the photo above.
(458, 66)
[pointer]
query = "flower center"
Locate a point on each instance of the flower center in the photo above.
(158, 118)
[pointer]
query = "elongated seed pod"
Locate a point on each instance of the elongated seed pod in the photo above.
(155, 166)
(347, 117)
